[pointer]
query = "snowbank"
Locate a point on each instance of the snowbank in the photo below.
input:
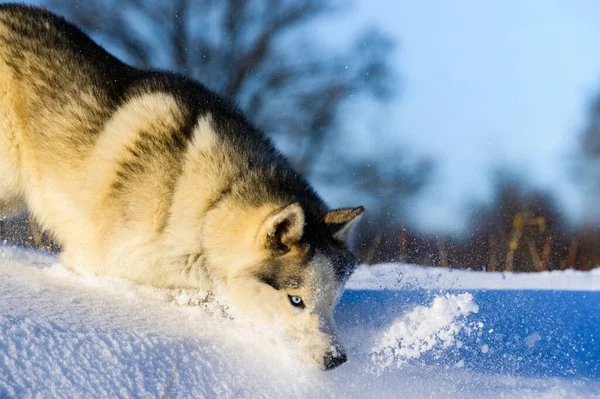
(395, 276)
(62, 335)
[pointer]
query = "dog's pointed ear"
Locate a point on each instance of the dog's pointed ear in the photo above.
(341, 221)
(282, 228)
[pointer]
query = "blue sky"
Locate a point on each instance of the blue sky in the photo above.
(486, 85)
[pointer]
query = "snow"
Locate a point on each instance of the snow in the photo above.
(423, 329)
(393, 276)
(410, 332)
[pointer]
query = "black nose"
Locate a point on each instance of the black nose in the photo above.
(332, 361)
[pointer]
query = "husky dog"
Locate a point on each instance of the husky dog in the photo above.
(152, 177)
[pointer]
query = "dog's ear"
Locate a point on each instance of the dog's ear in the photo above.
(341, 221)
(282, 229)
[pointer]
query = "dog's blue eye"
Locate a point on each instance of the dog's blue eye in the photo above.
(296, 301)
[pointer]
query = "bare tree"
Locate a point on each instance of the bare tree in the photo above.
(263, 54)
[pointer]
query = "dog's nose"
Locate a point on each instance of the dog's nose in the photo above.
(332, 361)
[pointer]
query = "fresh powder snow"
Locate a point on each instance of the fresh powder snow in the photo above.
(423, 329)
(410, 332)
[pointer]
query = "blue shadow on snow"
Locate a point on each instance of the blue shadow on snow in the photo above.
(529, 333)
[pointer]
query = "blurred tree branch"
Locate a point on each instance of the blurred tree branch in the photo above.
(247, 51)
(590, 163)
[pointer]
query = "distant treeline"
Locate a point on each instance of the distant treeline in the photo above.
(519, 249)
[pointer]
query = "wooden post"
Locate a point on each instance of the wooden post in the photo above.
(513, 244)
(493, 252)
(546, 254)
(402, 249)
(584, 265)
(595, 261)
(500, 245)
(535, 257)
(572, 258)
(441, 244)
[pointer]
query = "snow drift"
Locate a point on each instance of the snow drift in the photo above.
(410, 332)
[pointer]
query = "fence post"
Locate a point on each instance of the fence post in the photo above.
(546, 254)
(441, 244)
(535, 257)
(402, 249)
(493, 252)
(513, 244)
(572, 258)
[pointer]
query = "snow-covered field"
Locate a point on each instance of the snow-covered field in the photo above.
(411, 332)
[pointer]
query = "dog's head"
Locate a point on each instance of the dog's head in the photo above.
(299, 277)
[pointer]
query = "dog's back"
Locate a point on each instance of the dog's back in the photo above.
(56, 78)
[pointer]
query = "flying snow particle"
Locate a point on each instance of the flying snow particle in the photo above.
(532, 339)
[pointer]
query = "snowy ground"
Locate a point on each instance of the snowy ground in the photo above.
(411, 332)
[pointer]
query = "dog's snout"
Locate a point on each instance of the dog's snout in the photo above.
(332, 360)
